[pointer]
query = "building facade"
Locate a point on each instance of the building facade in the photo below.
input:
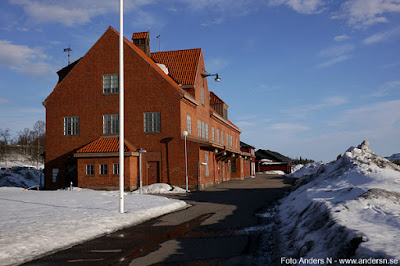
(166, 93)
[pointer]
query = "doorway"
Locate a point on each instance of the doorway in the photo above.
(153, 172)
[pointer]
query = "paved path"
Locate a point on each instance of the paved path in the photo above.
(214, 231)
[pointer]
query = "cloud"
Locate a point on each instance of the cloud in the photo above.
(382, 36)
(264, 87)
(288, 128)
(385, 89)
(144, 20)
(23, 59)
(301, 6)
(341, 38)
(3, 101)
(365, 13)
(215, 64)
(302, 111)
(336, 54)
(225, 7)
(73, 12)
(215, 21)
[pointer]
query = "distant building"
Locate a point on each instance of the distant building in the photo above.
(267, 160)
(250, 167)
(166, 93)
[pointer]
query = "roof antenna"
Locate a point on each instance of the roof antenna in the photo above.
(68, 50)
(159, 42)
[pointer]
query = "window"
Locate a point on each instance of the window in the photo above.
(203, 130)
(189, 124)
(212, 134)
(152, 122)
(110, 83)
(71, 126)
(227, 139)
(199, 128)
(55, 174)
(233, 166)
(202, 96)
(103, 169)
(116, 168)
(217, 135)
(222, 137)
(206, 131)
(110, 124)
(90, 169)
(206, 161)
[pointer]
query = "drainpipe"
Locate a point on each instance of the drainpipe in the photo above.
(140, 170)
(198, 176)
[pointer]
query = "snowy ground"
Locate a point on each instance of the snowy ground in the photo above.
(33, 223)
(160, 188)
(349, 208)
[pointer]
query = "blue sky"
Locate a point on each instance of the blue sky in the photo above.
(305, 78)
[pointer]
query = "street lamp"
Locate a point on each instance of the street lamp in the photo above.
(217, 78)
(185, 133)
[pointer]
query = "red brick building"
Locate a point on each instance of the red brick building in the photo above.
(166, 93)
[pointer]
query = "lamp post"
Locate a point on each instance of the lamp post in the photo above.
(217, 78)
(185, 133)
(121, 107)
(140, 170)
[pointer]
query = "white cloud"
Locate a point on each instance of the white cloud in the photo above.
(215, 21)
(23, 58)
(336, 54)
(341, 38)
(143, 21)
(364, 13)
(382, 36)
(264, 87)
(215, 64)
(304, 110)
(301, 6)
(288, 128)
(73, 12)
(385, 89)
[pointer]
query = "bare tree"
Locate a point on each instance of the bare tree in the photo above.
(4, 141)
(40, 129)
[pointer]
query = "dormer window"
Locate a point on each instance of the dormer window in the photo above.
(110, 84)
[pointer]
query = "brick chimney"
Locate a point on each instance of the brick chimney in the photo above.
(142, 41)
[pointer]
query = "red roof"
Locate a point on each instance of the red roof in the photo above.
(214, 99)
(140, 35)
(181, 64)
(104, 145)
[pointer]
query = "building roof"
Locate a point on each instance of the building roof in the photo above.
(245, 145)
(140, 35)
(104, 145)
(214, 99)
(271, 155)
(181, 64)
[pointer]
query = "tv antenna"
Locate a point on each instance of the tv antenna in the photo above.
(68, 50)
(159, 42)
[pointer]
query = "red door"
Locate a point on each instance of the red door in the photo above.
(153, 173)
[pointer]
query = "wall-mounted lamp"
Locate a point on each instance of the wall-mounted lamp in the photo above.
(217, 78)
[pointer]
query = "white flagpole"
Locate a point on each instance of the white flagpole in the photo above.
(121, 106)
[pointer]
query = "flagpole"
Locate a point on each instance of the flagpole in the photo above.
(121, 106)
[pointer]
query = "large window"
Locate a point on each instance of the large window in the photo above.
(199, 128)
(212, 134)
(222, 137)
(189, 124)
(217, 135)
(71, 126)
(152, 122)
(202, 96)
(206, 161)
(110, 83)
(110, 124)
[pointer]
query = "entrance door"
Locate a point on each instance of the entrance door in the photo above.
(153, 173)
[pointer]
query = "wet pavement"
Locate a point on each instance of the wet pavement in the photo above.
(222, 227)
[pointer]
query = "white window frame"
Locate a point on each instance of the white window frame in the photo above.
(103, 169)
(71, 125)
(199, 128)
(206, 131)
(90, 169)
(110, 124)
(116, 168)
(206, 161)
(217, 135)
(222, 137)
(110, 83)
(152, 122)
(212, 133)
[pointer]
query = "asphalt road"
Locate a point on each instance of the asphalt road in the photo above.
(220, 228)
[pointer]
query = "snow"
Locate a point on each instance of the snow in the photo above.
(274, 172)
(160, 188)
(347, 208)
(33, 223)
(301, 170)
(21, 177)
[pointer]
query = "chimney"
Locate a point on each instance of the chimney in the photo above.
(142, 41)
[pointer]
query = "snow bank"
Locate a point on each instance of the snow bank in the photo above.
(33, 223)
(347, 208)
(300, 170)
(21, 177)
(160, 188)
(274, 172)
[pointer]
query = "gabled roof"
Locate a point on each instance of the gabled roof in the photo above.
(214, 99)
(140, 35)
(105, 145)
(245, 145)
(181, 64)
(62, 73)
(271, 155)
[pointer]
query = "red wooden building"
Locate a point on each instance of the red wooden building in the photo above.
(267, 160)
(166, 93)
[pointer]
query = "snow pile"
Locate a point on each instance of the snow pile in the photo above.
(296, 167)
(21, 177)
(349, 208)
(33, 223)
(394, 157)
(301, 170)
(160, 188)
(274, 172)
